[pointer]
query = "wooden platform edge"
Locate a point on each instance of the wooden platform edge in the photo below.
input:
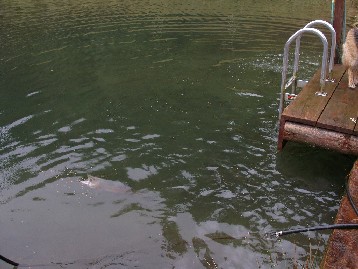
(343, 143)
(342, 248)
(308, 106)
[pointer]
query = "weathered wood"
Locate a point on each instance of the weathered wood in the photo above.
(308, 106)
(334, 116)
(340, 113)
(342, 249)
(338, 20)
(342, 143)
(280, 142)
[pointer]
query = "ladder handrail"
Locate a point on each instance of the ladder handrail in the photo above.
(333, 42)
(298, 34)
(333, 45)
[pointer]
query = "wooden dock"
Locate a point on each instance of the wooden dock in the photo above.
(326, 121)
(342, 249)
(329, 122)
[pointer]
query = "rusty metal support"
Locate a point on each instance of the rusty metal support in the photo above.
(338, 22)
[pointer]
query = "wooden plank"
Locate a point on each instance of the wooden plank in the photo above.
(340, 113)
(342, 249)
(343, 143)
(308, 106)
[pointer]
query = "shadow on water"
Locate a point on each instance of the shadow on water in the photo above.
(171, 107)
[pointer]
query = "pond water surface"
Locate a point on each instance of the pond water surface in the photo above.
(172, 105)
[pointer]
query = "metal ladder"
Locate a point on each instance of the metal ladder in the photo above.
(294, 81)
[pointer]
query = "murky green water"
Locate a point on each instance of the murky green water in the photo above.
(178, 101)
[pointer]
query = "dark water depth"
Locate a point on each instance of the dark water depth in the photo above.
(173, 106)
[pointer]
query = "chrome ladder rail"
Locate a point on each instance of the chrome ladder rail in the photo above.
(294, 80)
(333, 47)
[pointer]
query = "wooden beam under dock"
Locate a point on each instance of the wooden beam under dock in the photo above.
(343, 143)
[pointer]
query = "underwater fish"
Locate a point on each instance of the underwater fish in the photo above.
(106, 185)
